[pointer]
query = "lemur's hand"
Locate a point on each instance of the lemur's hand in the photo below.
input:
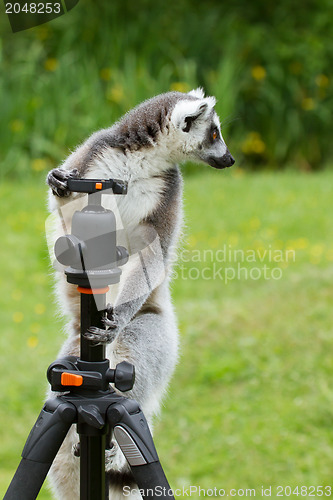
(113, 328)
(57, 180)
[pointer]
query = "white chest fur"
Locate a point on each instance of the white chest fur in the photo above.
(145, 186)
(145, 189)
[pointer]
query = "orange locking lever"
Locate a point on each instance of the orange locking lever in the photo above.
(71, 379)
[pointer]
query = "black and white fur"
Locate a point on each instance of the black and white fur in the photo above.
(143, 148)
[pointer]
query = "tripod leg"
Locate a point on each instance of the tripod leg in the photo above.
(40, 449)
(132, 434)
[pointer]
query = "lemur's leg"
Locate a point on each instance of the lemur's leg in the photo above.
(150, 343)
(142, 276)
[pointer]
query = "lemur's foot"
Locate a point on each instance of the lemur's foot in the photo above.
(99, 335)
(57, 180)
(76, 449)
(108, 335)
(114, 457)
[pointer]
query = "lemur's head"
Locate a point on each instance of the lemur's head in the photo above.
(198, 131)
(174, 126)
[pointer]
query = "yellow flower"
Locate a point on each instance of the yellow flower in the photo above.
(258, 146)
(308, 104)
(316, 253)
(233, 239)
(255, 223)
(258, 73)
(16, 126)
(39, 164)
(115, 94)
(32, 342)
(322, 81)
(23, 216)
(105, 74)
(18, 317)
(300, 243)
(253, 144)
(317, 250)
(51, 64)
(329, 254)
(40, 309)
(259, 246)
(180, 87)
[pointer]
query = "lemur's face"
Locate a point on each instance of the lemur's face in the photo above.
(212, 149)
(199, 131)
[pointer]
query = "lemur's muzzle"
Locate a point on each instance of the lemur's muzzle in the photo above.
(227, 160)
(224, 161)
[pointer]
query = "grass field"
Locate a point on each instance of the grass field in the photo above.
(251, 403)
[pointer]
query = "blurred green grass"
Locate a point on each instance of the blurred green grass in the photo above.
(251, 401)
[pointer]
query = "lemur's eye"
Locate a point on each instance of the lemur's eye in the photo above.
(214, 135)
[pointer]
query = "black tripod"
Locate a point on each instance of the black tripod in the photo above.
(91, 252)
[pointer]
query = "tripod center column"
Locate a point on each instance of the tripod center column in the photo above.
(92, 315)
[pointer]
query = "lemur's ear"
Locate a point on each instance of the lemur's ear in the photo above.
(199, 93)
(187, 112)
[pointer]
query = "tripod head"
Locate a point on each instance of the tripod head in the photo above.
(90, 251)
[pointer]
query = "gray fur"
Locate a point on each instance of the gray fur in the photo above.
(143, 124)
(138, 129)
(143, 148)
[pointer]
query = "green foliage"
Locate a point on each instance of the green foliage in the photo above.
(269, 66)
(251, 401)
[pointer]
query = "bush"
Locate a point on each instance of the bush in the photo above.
(268, 66)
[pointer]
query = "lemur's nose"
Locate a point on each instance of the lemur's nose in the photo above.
(227, 160)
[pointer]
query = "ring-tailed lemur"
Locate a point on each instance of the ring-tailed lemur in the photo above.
(143, 148)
